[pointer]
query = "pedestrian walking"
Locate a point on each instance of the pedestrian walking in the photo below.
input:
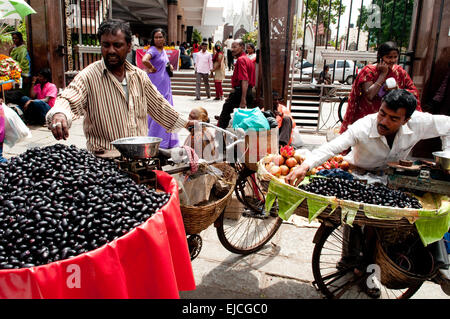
(242, 82)
(158, 65)
(203, 66)
(218, 71)
(230, 59)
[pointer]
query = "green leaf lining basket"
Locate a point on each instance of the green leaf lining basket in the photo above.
(431, 225)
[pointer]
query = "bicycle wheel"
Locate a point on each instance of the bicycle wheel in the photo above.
(342, 109)
(336, 279)
(251, 229)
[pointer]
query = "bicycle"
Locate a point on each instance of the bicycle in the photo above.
(371, 272)
(249, 230)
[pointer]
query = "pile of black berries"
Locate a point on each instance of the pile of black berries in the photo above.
(360, 192)
(58, 202)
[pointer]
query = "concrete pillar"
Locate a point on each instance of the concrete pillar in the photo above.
(183, 33)
(179, 34)
(172, 6)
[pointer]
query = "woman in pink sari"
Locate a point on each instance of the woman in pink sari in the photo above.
(369, 86)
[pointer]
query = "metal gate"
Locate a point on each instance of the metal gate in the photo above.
(343, 34)
(82, 20)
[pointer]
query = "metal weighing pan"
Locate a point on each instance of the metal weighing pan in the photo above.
(138, 147)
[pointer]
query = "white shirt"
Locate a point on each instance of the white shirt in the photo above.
(370, 150)
(203, 62)
(229, 42)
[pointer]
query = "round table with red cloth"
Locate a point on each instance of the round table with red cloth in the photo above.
(151, 261)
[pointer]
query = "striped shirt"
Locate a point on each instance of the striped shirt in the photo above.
(96, 94)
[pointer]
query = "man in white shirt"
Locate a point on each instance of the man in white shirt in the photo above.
(229, 53)
(380, 138)
(203, 65)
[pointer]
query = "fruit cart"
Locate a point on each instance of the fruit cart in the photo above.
(389, 257)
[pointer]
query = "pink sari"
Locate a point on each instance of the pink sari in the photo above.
(359, 106)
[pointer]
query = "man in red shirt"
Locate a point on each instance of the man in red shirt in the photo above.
(242, 82)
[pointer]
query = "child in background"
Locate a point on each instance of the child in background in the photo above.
(204, 144)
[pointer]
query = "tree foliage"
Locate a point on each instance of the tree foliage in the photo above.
(388, 20)
(323, 12)
(196, 35)
(299, 24)
(6, 30)
(251, 37)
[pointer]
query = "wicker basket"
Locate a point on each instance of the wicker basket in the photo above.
(198, 218)
(391, 275)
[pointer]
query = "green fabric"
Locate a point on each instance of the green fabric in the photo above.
(315, 208)
(288, 201)
(20, 54)
(431, 224)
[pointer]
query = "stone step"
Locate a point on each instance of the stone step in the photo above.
(192, 92)
(192, 85)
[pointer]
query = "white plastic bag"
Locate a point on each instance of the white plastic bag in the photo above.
(297, 141)
(15, 129)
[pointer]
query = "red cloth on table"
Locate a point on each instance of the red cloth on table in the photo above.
(151, 261)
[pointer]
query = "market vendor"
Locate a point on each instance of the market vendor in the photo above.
(377, 139)
(20, 54)
(380, 138)
(113, 95)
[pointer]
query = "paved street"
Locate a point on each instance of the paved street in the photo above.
(282, 269)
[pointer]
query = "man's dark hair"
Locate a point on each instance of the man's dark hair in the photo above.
(386, 48)
(400, 98)
(112, 26)
(18, 34)
(204, 43)
(326, 67)
(152, 37)
(251, 45)
(46, 73)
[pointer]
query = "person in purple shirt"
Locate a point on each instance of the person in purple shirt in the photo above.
(156, 61)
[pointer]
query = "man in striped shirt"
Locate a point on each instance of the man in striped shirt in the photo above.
(113, 96)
